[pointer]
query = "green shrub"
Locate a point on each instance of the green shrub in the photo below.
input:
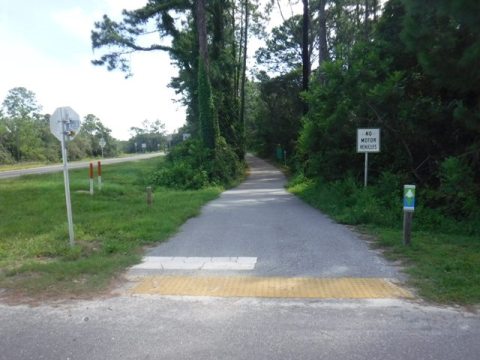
(349, 202)
(191, 165)
(457, 188)
(181, 175)
(380, 204)
(5, 156)
(226, 167)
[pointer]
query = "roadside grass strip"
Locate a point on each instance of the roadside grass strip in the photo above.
(271, 287)
(111, 228)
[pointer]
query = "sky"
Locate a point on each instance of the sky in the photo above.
(46, 48)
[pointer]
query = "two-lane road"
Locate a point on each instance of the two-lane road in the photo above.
(73, 165)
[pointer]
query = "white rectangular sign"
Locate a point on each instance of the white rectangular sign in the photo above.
(368, 140)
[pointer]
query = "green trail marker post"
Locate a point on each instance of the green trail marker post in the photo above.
(408, 209)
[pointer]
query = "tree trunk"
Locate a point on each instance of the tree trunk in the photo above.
(358, 19)
(244, 75)
(305, 57)
(17, 144)
(206, 109)
(202, 32)
(367, 21)
(234, 53)
(240, 47)
(322, 32)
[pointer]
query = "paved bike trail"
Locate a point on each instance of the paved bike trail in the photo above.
(259, 219)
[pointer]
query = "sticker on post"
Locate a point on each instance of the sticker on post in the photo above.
(409, 197)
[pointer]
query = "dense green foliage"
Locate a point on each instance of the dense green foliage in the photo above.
(192, 165)
(410, 70)
(151, 133)
(206, 110)
(379, 205)
(87, 142)
(274, 119)
(430, 133)
(24, 132)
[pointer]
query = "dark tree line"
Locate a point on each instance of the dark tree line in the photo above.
(410, 69)
(25, 134)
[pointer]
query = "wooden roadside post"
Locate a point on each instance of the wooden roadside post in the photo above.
(149, 196)
(91, 178)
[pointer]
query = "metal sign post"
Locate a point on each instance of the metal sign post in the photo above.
(368, 140)
(365, 171)
(66, 181)
(64, 125)
(99, 174)
(102, 144)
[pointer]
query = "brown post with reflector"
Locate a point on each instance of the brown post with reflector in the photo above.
(91, 178)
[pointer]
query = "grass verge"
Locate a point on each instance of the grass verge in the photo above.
(443, 261)
(111, 227)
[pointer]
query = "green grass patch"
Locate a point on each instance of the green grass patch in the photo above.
(443, 261)
(111, 227)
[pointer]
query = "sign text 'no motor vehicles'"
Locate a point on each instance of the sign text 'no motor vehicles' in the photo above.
(368, 140)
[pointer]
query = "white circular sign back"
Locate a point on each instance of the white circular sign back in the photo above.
(69, 118)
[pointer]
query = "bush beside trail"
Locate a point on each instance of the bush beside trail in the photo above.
(191, 166)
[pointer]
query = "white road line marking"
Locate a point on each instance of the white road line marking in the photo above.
(196, 263)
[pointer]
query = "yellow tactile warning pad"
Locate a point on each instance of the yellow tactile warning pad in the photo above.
(271, 287)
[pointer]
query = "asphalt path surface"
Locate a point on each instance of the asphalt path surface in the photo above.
(302, 242)
(73, 165)
(261, 219)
